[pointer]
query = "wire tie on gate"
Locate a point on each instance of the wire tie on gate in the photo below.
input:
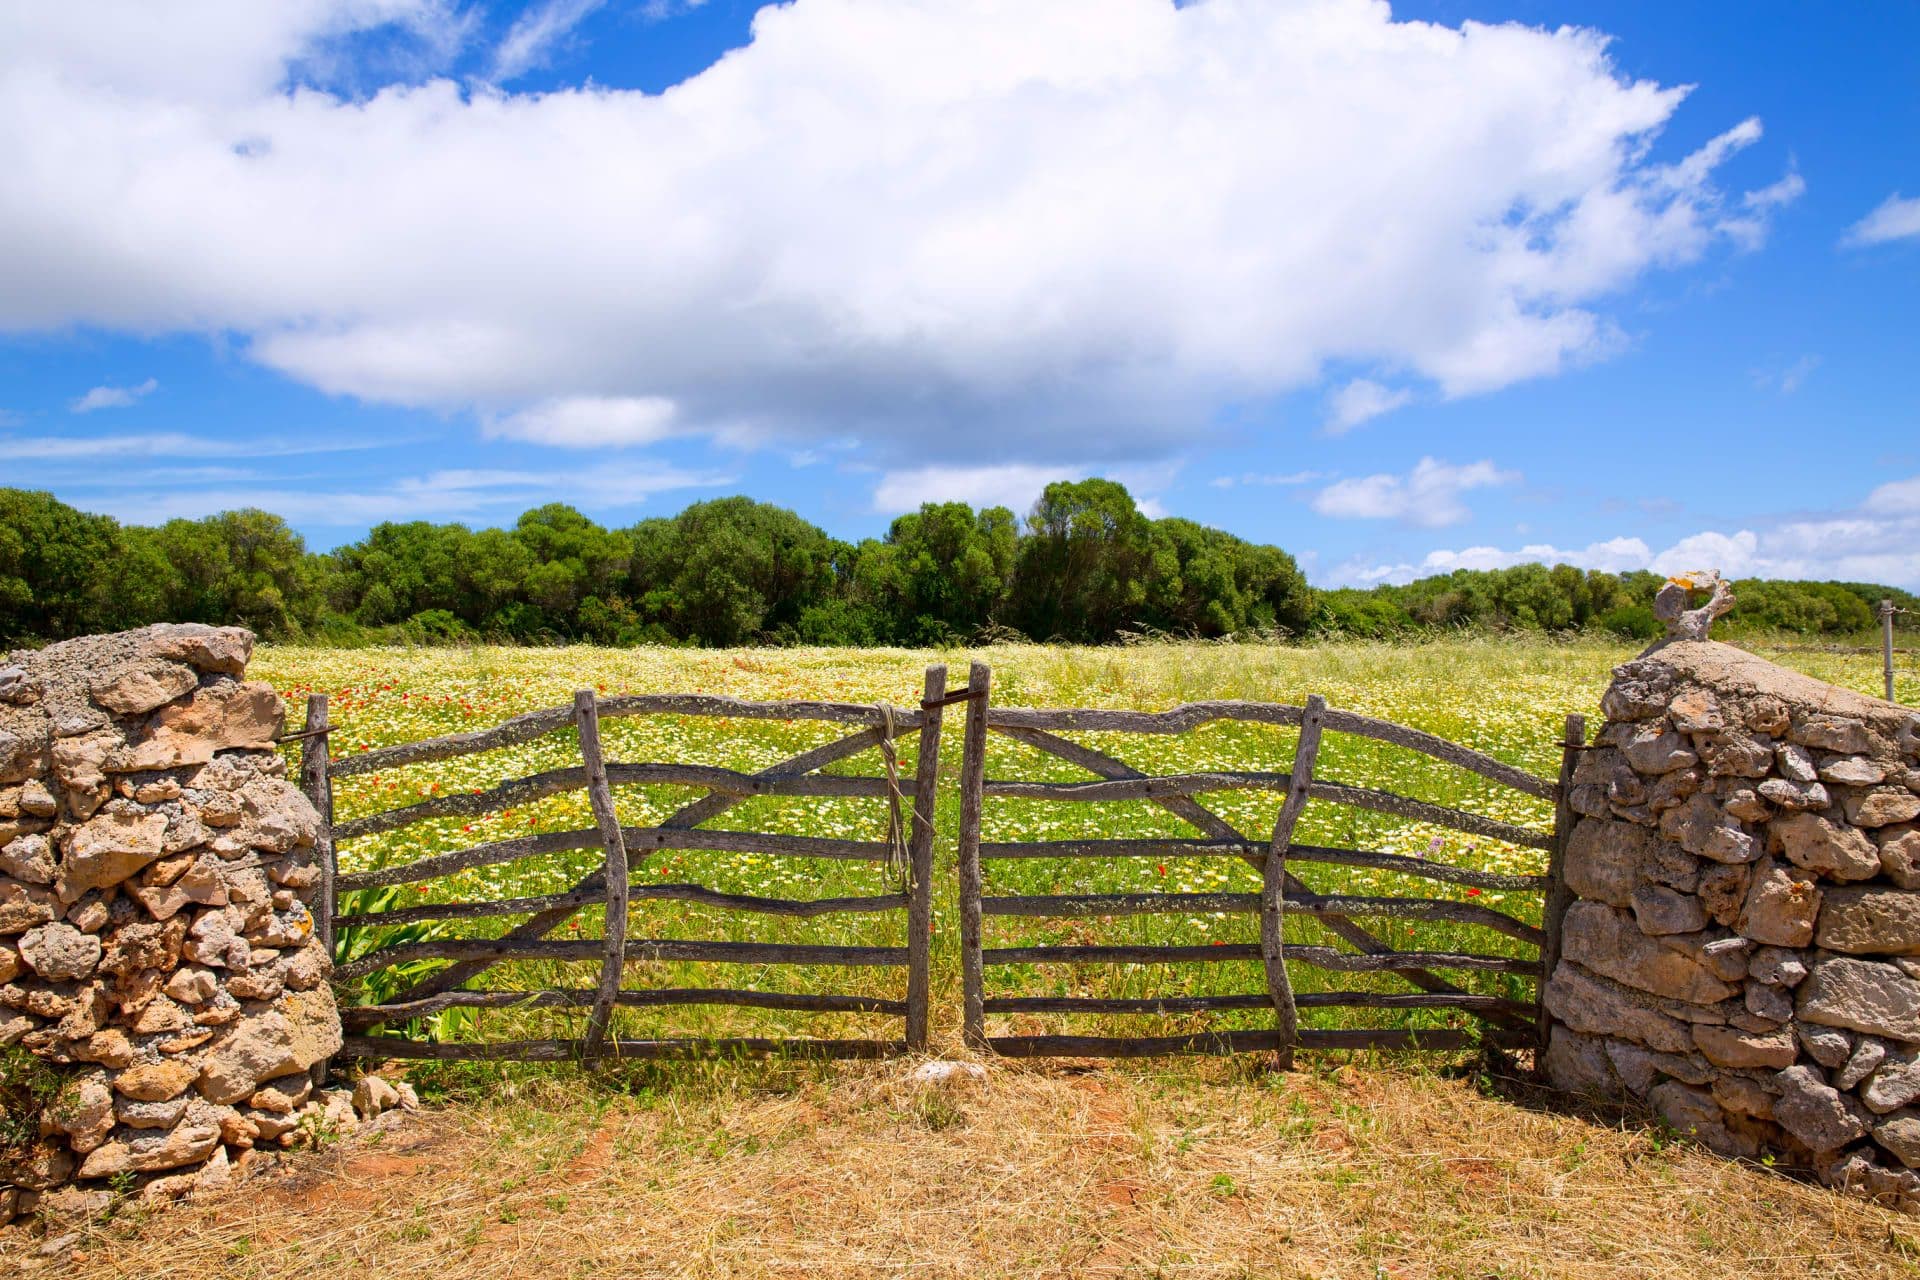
(928, 704)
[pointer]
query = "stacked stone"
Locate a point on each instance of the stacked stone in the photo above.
(156, 936)
(1743, 948)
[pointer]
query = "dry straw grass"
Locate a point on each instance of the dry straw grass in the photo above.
(1188, 1169)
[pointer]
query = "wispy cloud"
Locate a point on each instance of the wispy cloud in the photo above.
(537, 33)
(1788, 380)
(1428, 496)
(1896, 218)
(1253, 479)
(105, 397)
(174, 444)
(452, 494)
(1361, 400)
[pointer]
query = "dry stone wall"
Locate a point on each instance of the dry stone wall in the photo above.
(156, 939)
(1742, 951)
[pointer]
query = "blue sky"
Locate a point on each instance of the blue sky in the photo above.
(1626, 285)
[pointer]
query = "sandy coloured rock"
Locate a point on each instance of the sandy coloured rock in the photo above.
(1607, 942)
(143, 686)
(1870, 920)
(59, 952)
(1861, 995)
(1815, 1112)
(1812, 841)
(107, 850)
(1780, 906)
(218, 717)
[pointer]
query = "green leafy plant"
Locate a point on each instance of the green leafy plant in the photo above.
(28, 1088)
(382, 985)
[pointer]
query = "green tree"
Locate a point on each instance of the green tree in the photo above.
(1083, 567)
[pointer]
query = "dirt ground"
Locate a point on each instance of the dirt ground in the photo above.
(1186, 1170)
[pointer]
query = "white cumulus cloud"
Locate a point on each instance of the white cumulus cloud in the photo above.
(589, 422)
(1014, 485)
(934, 224)
(1428, 496)
(1878, 541)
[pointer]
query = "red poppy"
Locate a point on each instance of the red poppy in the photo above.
(1473, 893)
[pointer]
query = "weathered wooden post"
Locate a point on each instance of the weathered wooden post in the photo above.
(926, 776)
(318, 787)
(972, 787)
(586, 714)
(1273, 879)
(1553, 907)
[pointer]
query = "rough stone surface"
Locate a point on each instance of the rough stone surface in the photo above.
(60, 952)
(1895, 1083)
(1814, 842)
(1815, 1112)
(1900, 1134)
(1728, 1047)
(1866, 920)
(1606, 941)
(1660, 910)
(143, 686)
(1743, 949)
(1861, 995)
(1588, 1004)
(156, 871)
(1780, 906)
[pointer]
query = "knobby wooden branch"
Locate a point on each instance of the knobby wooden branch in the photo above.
(614, 938)
(920, 863)
(536, 724)
(1273, 879)
(1558, 897)
(1211, 824)
(318, 788)
(972, 784)
(682, 820)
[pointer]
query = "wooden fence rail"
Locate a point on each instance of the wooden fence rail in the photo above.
(616, 883)
(1281, 892)
(612, 887)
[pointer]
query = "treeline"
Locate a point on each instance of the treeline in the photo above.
(1085, 566)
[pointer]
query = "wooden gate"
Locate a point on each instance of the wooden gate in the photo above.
(1283, 901)
(611, 887)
